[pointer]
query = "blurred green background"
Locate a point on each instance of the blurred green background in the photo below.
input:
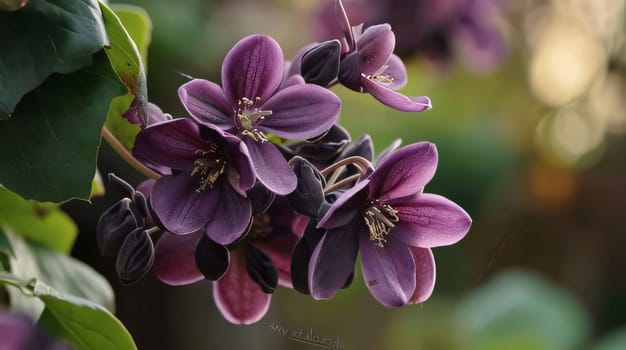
(533, 150)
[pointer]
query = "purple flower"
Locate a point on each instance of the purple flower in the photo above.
(441, 30)
(244, 273)
(250, 105)
(211, 170)
(369, 65)
(394, 224)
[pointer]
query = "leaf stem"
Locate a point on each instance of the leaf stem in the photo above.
(126, 155)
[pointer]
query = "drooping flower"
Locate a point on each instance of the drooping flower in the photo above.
(250, 105)
(394, 225)
(369, 65)
(211, 170)
(440, 30)
(245, 273)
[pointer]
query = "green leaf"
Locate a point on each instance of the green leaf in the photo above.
(81, 322)
(5, 247)
(138, 25)
(42, 223)
(64, 273)
(97, 187)
(521, 308)
(43, 38)
(127, 63)
(50, 145)
(7, 278)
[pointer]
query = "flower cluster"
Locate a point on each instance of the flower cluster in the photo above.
(260, 186)
(441, 30)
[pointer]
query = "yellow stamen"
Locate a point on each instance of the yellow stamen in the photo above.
(380, 219)
(380, 77)
(248, 114)
(209, 166)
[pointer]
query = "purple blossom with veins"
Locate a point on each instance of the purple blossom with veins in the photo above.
(245, 273)
(211, 170)
(394, 224)
(251, 103)
(369, 65)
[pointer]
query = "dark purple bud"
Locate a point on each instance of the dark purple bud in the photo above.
(302, 255)
(114, 226)
(130, 190)
(260, 198)
(261, 269)
(141, 205)
(320, 64)
(135, 257)
(211, 258)
(363, 147)
(323, 149)
(308, 196)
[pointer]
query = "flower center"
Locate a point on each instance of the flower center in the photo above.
(379, 77)
(209, 165)
(380, 219)
(251, 116)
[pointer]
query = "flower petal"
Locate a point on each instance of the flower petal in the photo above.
(261, 269)
(240, 172)
(387, 151)
(397, 71)
(346, 207)
(179, 207)
(239, 298)
(376, 46)
(271, 167)
(278, 247)
(301, 256)
(429, 220)
(212, 258)
(344, 24)
(170, 143)
(174, 261)
(404, 172)
(424, 274)
(350, 71)
(395, 99)
(295, 79)
(231, 217)
(389, 271)
(252, 68)
(206, 103)
(332, 261)
(301, 111)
